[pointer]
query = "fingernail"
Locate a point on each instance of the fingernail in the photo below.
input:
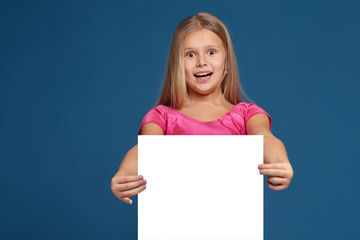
(144, 187)
(260, 166)
(141, 177)
(144, 182)
(261, 171)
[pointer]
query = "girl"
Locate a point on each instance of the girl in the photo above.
(201, 96)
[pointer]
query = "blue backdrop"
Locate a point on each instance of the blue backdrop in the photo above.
(77, 77)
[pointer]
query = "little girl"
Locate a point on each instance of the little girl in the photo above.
(201, 96)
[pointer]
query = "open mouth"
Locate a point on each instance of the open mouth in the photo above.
(203, 75)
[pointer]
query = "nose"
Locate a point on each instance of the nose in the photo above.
(201, 61)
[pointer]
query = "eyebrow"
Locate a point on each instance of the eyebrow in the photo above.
(208, 46)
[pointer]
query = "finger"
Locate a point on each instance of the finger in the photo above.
(125, 179)
(275, 187)
(273, 165)
(274, 172)
(127, 186)
(276, 180)
(133, 192)
(277, 173)
(126, 200)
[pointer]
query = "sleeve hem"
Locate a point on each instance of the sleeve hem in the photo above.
(151, 122)
(270, 120)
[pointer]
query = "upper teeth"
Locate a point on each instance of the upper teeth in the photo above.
(202, 74)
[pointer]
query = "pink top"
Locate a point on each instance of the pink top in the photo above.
(174, 122)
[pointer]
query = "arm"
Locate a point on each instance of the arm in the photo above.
(129, 165)
(126, 177)
(276, 162)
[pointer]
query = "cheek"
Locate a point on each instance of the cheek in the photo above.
(188, 70)
(219, 65)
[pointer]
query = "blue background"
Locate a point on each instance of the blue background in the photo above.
(77, 77)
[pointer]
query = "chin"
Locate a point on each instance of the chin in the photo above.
(203, 91)
(205, 88)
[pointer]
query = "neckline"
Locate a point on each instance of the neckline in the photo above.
(193, 119)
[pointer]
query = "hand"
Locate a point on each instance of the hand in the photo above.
(121, 185)
(280, 175)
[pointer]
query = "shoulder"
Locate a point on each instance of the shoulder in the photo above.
(159, 109)
(258, 121)
(158, 112)
(254, 116)
(247, 109)
(241, 107)
(244, 106)
(155, 121)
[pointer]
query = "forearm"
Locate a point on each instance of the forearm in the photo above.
(274, 150)
(129, 165)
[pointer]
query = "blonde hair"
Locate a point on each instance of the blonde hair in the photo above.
(174, 93)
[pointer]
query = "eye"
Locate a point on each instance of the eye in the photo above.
(190, 54)
(213, 51)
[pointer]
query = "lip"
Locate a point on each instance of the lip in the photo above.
(203, 80)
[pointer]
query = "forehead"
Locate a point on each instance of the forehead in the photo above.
(201, 38)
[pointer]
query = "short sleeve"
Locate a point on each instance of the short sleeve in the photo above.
(156, 115)
(253, 109)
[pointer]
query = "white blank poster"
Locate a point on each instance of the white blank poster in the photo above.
(200, 187)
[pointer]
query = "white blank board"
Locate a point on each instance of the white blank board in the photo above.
(200, 187)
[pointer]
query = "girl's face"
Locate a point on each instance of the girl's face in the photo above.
(204, 61)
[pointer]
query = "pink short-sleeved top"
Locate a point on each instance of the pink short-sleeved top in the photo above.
(173, 122)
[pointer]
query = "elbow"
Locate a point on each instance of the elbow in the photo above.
(273, 139)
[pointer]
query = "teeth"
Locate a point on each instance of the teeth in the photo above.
(202, 74)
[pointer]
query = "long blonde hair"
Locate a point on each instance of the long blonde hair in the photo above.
(174, 93)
